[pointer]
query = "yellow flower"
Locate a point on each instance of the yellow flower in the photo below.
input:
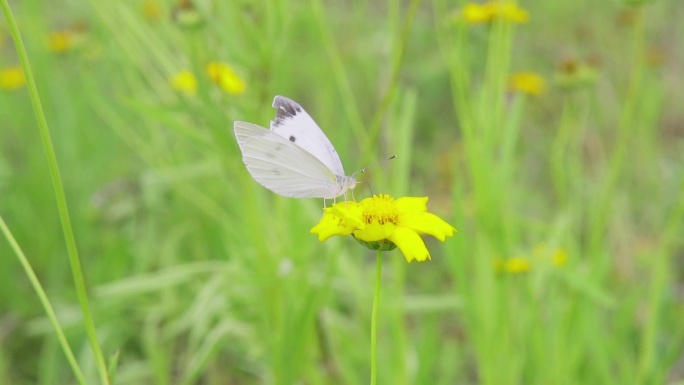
(516, 265)
(558, 257)
(381, 222)
(11, 78)
(220, 74)
(527, 82)
(509, 10)
(476, 13)
(59, 41)
(185, 82)
(541, 256)
(66, 40)
(223, 76)
(151, 9)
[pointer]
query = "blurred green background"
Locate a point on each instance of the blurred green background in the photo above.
(549, 133)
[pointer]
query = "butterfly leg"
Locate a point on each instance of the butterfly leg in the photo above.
(369, 188)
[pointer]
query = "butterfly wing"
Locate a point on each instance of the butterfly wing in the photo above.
(294, 124)
(281, 166)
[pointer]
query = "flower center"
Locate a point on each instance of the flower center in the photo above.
(381, 208)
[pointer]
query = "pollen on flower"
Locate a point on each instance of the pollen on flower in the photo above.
(381, 209)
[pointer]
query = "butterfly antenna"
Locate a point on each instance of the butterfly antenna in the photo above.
(374, 164)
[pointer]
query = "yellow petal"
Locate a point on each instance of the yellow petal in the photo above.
(350, 212)
(428, 223)
(410, 205)
(329, 226)
(375, 232)
(410, 244)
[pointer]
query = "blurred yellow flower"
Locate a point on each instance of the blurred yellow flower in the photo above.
(514, 265)
(558, 257)
(381, 223)
(151, 9)
(67, 39)
(541, 255)
(527, 82)
(476, 13)
(185, 82)
(59, 41)
(223, 76)
(509, 10)
(12, 78)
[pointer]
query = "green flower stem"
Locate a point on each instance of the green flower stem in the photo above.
(374, 321)
(69, 238)
(43, 300)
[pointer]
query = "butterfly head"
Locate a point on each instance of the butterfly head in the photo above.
(343, 184)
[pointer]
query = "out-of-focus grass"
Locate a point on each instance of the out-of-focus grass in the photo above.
(197, 274)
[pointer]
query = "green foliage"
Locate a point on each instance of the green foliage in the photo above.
(196, 274)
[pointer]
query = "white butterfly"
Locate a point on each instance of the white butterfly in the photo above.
(294, 158)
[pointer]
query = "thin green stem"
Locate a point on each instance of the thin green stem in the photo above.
(42, 296)
(660, 279)
(69, 238)
(628, 115)
(374, 321)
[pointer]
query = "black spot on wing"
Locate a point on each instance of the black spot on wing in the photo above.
(292, 138)
(285, 109)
